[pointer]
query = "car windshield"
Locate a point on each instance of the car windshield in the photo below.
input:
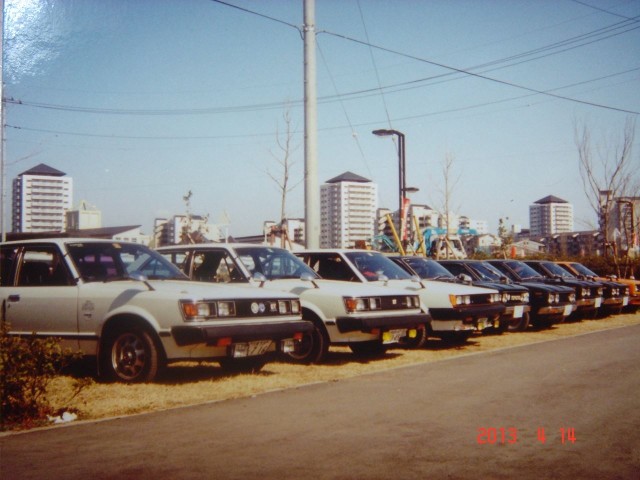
(273, 263)
(582, 270)
(556, 269)
(99, 262)
(374, 264)
(499, 275)
(429, 269)
(524, 271)
(485, 271)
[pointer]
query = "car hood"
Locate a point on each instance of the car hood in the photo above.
(335, 288)
(432, 285)
(190, 289)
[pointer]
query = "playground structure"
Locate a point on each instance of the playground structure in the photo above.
(433, 242)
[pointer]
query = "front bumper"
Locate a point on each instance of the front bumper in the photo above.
(515, 311)
(588, 304)
(210, 334)
(468, 317)
(553, 310)
(367, 324)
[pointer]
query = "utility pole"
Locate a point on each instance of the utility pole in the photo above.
(3, 234)
(311, 188)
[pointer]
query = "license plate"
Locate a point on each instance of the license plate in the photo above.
(393, 336)
(598, 302)
(251, 349)
(625, 301)
(518, 311)
(567, 310)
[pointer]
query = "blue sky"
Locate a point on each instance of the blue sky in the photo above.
(142, 101)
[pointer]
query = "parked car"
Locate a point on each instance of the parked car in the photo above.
(628, 290)
(457, 311)
(550, 302)
(134, 311)
(589, 295)
(515, 297)
(367, 318)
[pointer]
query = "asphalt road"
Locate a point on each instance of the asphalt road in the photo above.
(567, 408)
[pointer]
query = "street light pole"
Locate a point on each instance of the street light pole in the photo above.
(402, 181)
(401, 162)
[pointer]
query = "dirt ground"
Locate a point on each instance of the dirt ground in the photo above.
(189, 383)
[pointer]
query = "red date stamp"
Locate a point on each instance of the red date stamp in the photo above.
(509, 435)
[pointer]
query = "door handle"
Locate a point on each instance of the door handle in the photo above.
(14, 298)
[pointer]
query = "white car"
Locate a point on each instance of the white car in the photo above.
(457, 311)
(134, 311)
(367, 318)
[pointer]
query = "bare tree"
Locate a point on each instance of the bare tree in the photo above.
(189, 234)
(607, 174)
(286, 148)
(450, 182)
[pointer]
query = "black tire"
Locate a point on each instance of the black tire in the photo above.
(520, 324)
(130, 355)
(243, 365)
(419, 341)
(373, 348)
(312, 348)
(456, 337)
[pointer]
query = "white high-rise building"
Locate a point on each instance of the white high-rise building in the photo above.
(348, 205)
(41, 197)
(550, 215)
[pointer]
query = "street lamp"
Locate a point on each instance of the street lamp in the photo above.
(402, 184)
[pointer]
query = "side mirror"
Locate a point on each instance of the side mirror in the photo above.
(259, 277)
(307, 277)
(465, 278)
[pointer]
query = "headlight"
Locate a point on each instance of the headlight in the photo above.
(228, 308)
(355, 304)
(584, 292)
(457, 300)
(551, 298)
(525, 297)
(412, 302)
(601, 291)
(295, 306)
(572, 297)
(197, 311)
(505, 298)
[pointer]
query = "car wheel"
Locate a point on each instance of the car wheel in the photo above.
(243, 365)
(312, 348)
(130, 356)
(368, 349)
(456, 337)
(419, 341)
(520, 324)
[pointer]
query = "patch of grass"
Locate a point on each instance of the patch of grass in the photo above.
(190, 383)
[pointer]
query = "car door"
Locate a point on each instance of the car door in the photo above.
(39, 294)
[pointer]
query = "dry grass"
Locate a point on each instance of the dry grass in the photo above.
(191, 383)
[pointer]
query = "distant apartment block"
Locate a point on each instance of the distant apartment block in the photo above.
(550, 215)
(84, 217)
(41, 197)
(185, 229)
(348, 205)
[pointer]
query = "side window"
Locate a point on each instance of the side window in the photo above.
(455, 269)
(42, 266)
(215, 266)
(179, 259)
(8, 256)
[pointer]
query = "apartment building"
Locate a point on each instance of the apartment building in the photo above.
(41, 197)
(348, 205)
(550, 215)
